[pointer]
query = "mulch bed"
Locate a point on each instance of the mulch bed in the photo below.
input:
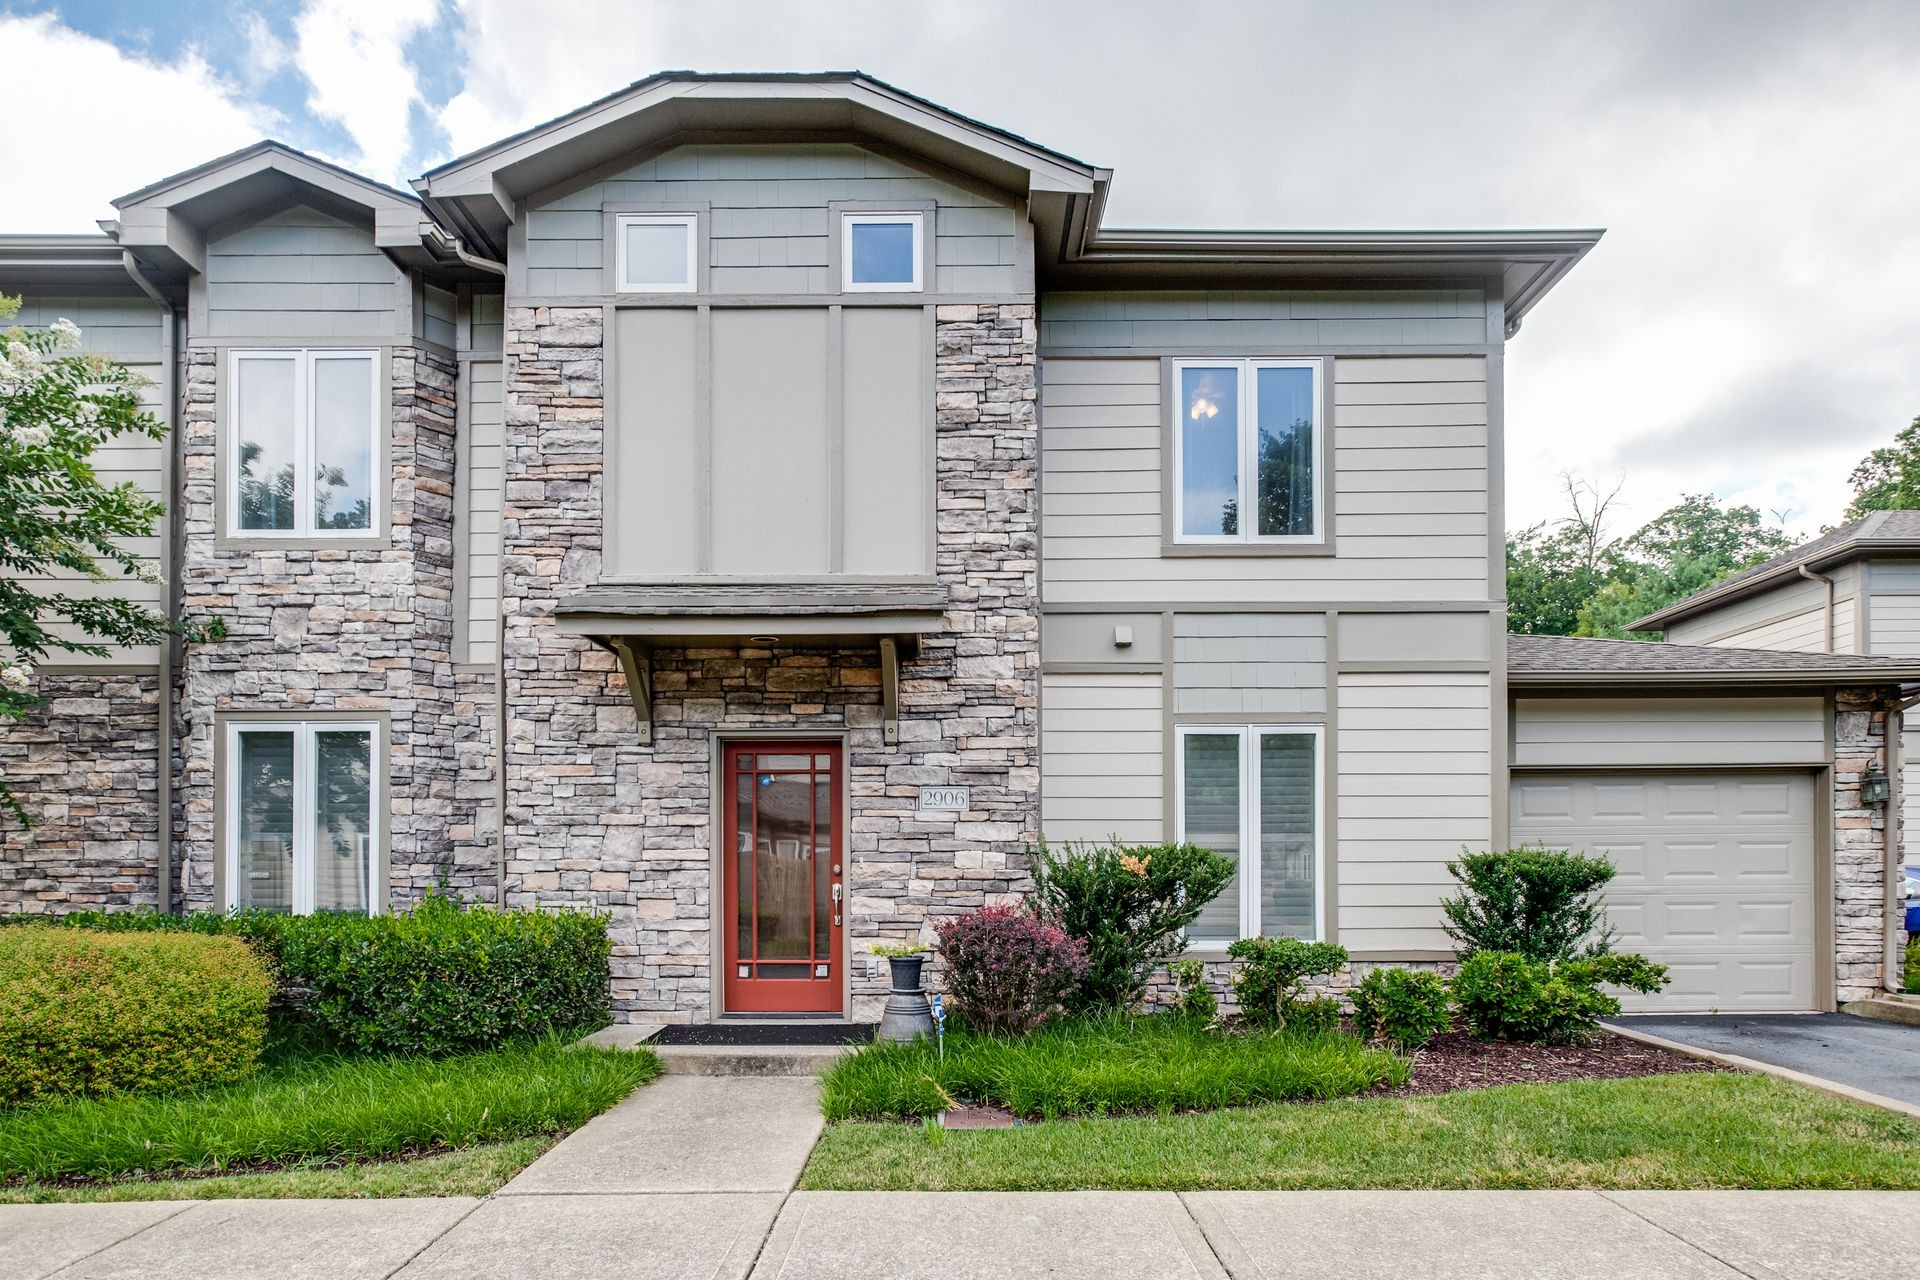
(1457, 1061)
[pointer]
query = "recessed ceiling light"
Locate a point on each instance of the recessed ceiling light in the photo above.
(763, 639)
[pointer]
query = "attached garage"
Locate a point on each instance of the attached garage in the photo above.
(1726, 787)
(1715, 876)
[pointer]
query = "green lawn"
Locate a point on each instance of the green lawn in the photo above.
(1104, 1066)
(315, 1107)
(1675, 1131)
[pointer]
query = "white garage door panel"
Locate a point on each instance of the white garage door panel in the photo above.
(1714, 876)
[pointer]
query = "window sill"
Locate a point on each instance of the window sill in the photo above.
(1263, 549)
(374, 541)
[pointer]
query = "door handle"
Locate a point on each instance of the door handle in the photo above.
(838, 892)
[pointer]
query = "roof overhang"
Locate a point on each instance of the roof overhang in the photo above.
(1718, 681)
(475, 194)
(165, 225)
(1858, 547)
(38, 263)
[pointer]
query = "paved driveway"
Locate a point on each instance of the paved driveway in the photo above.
(1879, 1057)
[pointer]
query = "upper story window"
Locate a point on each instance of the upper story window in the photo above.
(657, 252)
(1248, 451)
(1252, 795)
(883, 252)
(302, 815)
(304, 443)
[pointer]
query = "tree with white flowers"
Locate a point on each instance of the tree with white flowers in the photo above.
(58, 519)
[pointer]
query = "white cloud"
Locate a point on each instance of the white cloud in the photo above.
(353, 55)
(88, 122)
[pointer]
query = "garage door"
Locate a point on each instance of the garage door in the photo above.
(1714, 876)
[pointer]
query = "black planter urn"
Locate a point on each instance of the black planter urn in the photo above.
(908, 1014)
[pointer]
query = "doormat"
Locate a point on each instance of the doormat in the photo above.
(769, 1034)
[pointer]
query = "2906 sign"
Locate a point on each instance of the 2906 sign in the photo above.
(945, 799)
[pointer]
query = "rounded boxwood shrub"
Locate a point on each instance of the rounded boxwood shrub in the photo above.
(1404, 1007)
(86, 1014)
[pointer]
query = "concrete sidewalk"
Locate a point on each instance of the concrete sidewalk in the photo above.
(1076, 1235)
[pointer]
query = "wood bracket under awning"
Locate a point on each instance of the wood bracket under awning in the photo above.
(889, 690)
(636, 663)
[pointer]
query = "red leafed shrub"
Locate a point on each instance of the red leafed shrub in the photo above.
(1006, 971)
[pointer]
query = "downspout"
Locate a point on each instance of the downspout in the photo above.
(1811, 576)
(1895, 907)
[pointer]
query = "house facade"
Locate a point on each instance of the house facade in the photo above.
(760, 507)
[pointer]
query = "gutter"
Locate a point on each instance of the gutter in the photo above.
(170, 560)
(1823, 579)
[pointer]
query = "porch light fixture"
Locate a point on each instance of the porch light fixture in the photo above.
(1875, 789)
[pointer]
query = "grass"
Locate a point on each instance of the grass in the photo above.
(475, 1171)
(1675, 1131)
(1109, 1066)
(316, 1107)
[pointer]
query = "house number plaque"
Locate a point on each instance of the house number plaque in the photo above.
(945, 800)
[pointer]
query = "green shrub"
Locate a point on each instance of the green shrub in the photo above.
(1129, 905)
(1911, 970)
(1192, 993)
(1504, 996)
(1267, 979)
(1543, 904)
(88, 1014)
(439, 979)
(1403, 1007)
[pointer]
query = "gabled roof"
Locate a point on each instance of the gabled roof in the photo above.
(1568, 660)
(1882, 533)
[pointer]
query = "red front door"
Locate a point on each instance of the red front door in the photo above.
(785, 934)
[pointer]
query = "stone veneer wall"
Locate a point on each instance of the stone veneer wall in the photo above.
(1859, 846)
(361, 630)
(596, 819)
(85, 768)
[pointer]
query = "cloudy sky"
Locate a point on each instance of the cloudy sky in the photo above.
(1749, 327)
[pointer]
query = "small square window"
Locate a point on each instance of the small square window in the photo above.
(656, 252)
(882, 252)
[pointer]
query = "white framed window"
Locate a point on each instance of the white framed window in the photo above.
(1248, 451)
(656, 252)
(1252, 793)
(303, 443)
(882, 252)
(302, 815)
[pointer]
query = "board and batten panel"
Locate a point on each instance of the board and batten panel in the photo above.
(481, 501)
(886, 437)
(1238, 321)
(655, 489)
(1414, 759)
(770, 447)
(768, 220)
(1409, 489)
(301, 273)
(1668, 732)
(1101, 760)
(1791, 617)
(128, 330)
(1262, 665)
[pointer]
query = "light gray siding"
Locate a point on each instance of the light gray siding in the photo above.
(1893, 607)
(1790, 617)
(301, 273)
(127, 329)
(1229, 323)
(768, 223)
(1095, 637)
(480, 499)
(1258, 664)
(1409, 489)
(438, 322)
(489, 321)
(1101, 756)
(1414, 759)
(1668, 732)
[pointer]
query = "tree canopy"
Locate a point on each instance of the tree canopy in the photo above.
(1888, 479)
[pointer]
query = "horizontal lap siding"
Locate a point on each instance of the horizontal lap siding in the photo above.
(128, 330)
(768, 226)
(1893, 622)
(480, 618)
(301, 273)
(1789, 618)
(1101, 758)
(1668, 732)
(1414, 754)
(1409, 489)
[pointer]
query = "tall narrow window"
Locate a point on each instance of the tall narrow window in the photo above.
(1252, 795)
(657, 252)
(302, 816)
(304, 443)
(1247, 451)
(882, 252)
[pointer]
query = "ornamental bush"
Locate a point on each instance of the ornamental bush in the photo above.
(439, 979)
(1006, 971)
(1403, 1007)
(1504, 996)
(1192, 993)
(1267, 981)
(1129, 905)
(1543, 904)
(88, 1014)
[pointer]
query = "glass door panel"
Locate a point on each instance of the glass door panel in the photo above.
(786, 939)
